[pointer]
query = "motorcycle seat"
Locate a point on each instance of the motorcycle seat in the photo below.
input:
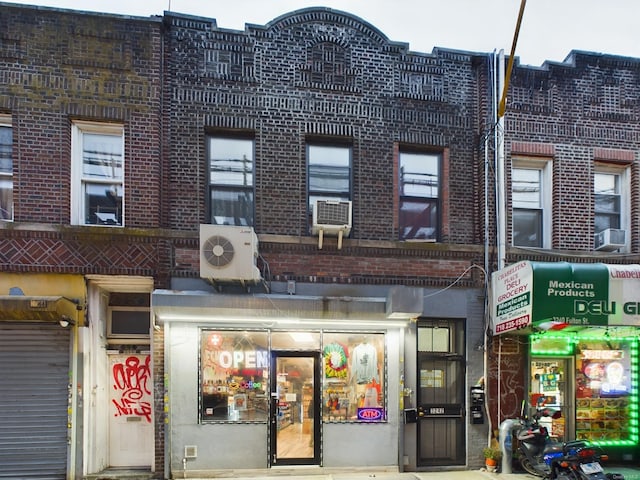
(553, 448)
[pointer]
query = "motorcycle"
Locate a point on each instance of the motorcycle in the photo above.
(542, 457)
(536, 450)
(580, 461)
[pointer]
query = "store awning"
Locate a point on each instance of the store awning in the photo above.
(402, 305)
(529, 296)
(39, 308)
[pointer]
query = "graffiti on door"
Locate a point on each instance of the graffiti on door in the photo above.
(132, 386)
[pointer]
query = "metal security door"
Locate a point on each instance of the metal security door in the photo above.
(34, 381)
(441, 394)
(294, 413)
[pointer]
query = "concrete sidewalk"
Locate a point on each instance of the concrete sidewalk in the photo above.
(382, 475)
(628, 472)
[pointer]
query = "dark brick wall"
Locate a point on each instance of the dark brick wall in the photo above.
(571, 113)
(272, 98)
(171, 82)
(57, 66)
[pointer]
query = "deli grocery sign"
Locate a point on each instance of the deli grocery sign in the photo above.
(560, 294)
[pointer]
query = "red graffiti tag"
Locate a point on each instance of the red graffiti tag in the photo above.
(131, 379)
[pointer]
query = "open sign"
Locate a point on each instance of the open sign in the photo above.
(370, 414)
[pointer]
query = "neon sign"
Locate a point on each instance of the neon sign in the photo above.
(370, 414)
(243, 359)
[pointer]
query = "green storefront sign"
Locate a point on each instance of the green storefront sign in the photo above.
(555, 295)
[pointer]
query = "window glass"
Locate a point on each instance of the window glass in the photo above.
(231, 176)
(607, 201)
(129, 322)
(419, 196)
(606, 390)
(527, 207)
(441, 360)
(234, 376)
(329, 172)
(99, 163)
(6, 170)
(354, 377)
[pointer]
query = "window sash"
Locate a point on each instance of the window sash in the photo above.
(102, 175)
(419, 185)
(527, 188)
(98, 166)
(608, 201)
(329, 171)
(418, 219)
(6, 172)
(231, 181)
(527, 227)
(420, 175)
(231, 207)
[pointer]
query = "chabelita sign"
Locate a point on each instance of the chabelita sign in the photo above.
(557, 295)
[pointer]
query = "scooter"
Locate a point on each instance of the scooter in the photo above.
(580, 461)
(536, 450)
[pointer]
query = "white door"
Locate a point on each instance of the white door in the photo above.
(130, 411)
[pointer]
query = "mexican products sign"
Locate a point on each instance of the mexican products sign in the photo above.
(559, 294)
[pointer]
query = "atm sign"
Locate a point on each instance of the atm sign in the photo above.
(370, 414)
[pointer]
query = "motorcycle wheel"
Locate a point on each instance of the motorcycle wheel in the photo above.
(528, 467)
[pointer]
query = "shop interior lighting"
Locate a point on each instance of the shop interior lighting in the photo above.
(571, 341)
(282, 321)
(564, 342)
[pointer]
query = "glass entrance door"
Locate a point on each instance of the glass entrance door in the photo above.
(549, 388)
(295, 409)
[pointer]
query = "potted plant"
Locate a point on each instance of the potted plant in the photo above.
(492, 456)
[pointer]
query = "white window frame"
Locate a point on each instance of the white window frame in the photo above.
(545, 167)
(79, 128)
(5, 121)
(625, 197)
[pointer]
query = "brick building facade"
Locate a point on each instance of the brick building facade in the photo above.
(323, 106)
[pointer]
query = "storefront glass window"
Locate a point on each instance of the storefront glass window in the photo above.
(606, 390)
(354, 376)
(234, 376)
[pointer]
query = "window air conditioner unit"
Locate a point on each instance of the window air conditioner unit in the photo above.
(610, 239)
(229, 253)
(331, 217)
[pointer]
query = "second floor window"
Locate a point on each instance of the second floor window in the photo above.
(6, 169)
(419, 195)
(231, 173)
(329, 172)
(98, 173)
(531, 203)
(527, 207)
(608, 201)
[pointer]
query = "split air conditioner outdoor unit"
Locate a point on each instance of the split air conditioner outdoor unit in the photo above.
(331, 217)
(610, 239)
(229, 253)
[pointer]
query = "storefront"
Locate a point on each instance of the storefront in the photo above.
(39, 320)
(581, 324)
(294, 380)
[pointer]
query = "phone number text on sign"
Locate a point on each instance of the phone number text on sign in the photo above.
(514, 324)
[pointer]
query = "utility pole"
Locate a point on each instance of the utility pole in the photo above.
(501, 197)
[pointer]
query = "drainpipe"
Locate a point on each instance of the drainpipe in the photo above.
(500, 179)
(165, 401)
(74, 390)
